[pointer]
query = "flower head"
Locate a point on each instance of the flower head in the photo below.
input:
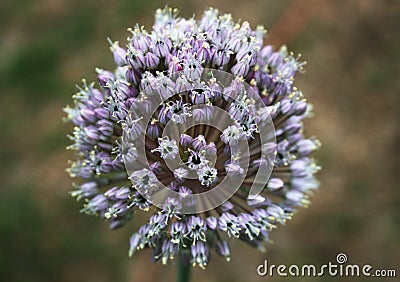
(192, 109)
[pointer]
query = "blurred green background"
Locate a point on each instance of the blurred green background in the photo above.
(352, 78)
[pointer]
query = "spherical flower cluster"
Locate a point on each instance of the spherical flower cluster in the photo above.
(106, 127)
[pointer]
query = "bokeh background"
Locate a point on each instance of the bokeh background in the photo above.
(352, 78)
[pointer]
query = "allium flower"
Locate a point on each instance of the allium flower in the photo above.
(191, 108)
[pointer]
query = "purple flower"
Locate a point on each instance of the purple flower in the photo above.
(146, 72)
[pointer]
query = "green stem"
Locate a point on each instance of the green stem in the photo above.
(183, 273)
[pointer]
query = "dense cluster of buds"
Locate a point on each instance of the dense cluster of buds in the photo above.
(107, 120)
